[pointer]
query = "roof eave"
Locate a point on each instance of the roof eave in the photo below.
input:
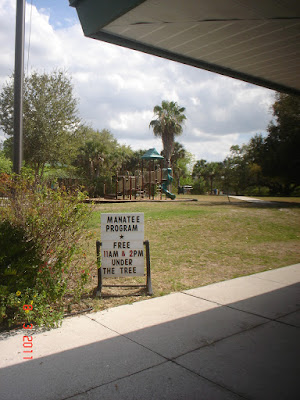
(145, 48)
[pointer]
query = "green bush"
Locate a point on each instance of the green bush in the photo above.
(257, 191)
(95, 186)
(199, 186)
(296, 192)
(5, 164)
(19, 257)
(41, 231)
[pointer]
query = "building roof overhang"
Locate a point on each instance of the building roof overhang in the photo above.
(255, 41)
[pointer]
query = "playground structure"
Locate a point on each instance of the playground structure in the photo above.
(149, 182)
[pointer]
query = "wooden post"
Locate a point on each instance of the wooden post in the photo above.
(161, 178)
(142, 179)
(99, 270)
(149, 180)
(117, 178)
(130, 185)
(149, 283)
(154, 180)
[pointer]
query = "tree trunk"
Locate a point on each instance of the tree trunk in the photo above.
(168, 145)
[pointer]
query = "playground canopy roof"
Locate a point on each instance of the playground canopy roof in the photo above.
(256, 41)
(152, 154)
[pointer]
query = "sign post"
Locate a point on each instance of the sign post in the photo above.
(122, 249)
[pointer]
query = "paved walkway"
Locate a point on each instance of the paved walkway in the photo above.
(251, 199)
(237, 339)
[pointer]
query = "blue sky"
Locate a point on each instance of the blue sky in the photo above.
(117, 88)
(59, 11)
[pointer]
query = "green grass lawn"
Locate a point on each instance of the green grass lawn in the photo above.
(200, 242)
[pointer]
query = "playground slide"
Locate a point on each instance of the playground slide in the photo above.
(168, 194)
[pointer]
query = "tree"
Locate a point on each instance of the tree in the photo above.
(99, 158)
(255, 149)
(236, 170)
(281, 146)
(133, 162)
(178, 153)
(255, 155)
(180, 161)
(199, 184)
(168, 124)
(208, 171)
(212, 173)
(197, 169)
(50, 120)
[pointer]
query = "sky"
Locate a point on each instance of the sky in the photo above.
(117, 88)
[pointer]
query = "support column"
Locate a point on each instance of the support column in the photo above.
(18, 87)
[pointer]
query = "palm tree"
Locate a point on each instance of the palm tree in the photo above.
(209, 171)
(168, 124)
(179, 153)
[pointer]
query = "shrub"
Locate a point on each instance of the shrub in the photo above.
(257, 191)
(95, 186)
(296, 192)
(199, 186)
(5, 164)
(19, 257)
(41, 231)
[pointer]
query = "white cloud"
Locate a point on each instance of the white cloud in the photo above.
(118, 88)
(211, 147)
(131, 122)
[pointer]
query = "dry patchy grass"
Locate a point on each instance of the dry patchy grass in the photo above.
(197, 243)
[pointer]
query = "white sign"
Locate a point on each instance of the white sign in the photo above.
(122, 250)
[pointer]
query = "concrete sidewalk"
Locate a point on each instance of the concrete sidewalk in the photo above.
(237, 339)
(251, 200)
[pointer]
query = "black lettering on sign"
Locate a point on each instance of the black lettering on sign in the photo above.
(107, 271)
(121, 228)
(121, 261)
(123, 219)
(109, 253)
(128, 270)
(122, 245)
